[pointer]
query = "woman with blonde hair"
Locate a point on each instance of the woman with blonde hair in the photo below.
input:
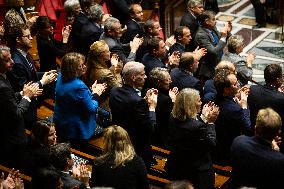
(191, 139)
(119, 166)
(104, 68)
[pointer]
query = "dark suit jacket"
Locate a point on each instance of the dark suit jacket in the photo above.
(13, 106)
(90, 32)
(209, 91)
(177, 47)
(256, 164)
(69, 182)
(190, 142)
(115, 46)
(74, 40)
(150, 62)
(232, 121)
(192, 23)
(263, 97)
(20, 75)
(131, 112)
(204, 39)
(182, 79)
(133, 28)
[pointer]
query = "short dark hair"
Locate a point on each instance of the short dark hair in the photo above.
(179, 31)
(70, 64)
(40, 132)
(206, 15)
(153, 44)
(46, 178)
(12, 33)
(272, 72)
(59, 153)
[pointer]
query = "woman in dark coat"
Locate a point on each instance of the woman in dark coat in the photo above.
(191, 140)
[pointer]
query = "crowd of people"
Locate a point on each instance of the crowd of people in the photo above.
(117, 78)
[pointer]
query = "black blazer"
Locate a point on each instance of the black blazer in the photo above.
(256, 164)
(13, 107)
(131, 112)
(192, 23)
(191, 142)
(69, 182)
(133, 28)
(21, 74)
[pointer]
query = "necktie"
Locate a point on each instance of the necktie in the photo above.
(215, 38)
(30, 62)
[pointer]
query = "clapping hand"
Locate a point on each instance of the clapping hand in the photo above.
(174, 59)
(151, 98)
(98, 88)
(173, 93)
(210, 112)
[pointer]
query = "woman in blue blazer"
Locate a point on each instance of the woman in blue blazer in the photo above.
(75, 104)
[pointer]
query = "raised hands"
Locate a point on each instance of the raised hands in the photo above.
(210, 112)
(98, 88)
(116, 65)
(65, 33)
(250, 59)
(82, 173)
(170, 41)
(151, 98)
(242, 96)
(31, 90)
(199, 53)
(49, 77)
(13, 180)
(174, 59)
(136, 43)
(173, 93)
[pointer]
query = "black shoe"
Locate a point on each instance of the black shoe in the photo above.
(259, 26)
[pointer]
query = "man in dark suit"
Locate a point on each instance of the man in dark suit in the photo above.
(112, 34)
(256, 160)
(24, 70)
(61, 159)
(209, 38)
(157, 52)
(260, 14)
(183, 38)
(233, 119)
(14, 105)
(182, 77)
(133, 112)
(190, 19)
(267, 95)
(134, 24)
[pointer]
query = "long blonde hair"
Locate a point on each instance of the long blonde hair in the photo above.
(118, 148)
(185, 104)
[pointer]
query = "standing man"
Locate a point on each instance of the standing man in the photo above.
(190, 19)
(259, 9)
(133, 112)
(24, 70)
(13, 106)
(213, 41)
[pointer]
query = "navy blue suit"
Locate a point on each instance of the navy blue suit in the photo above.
(183, 79)
(232, 121)
(21, 74)
(150, 62)
(256, 164)
(209, 91)
(177, 47)
(131, 112)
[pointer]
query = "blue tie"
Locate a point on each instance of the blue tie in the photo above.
(215, 38)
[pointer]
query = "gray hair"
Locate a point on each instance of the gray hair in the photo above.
(3, 48)
(109, 23)
(157, 74)
(70, 4)
(130, 69)
(234, 42)
(194, 3)
(96, 12)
